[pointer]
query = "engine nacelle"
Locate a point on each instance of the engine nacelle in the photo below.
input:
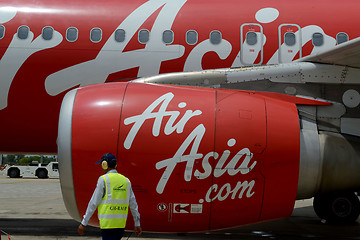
(198, 159)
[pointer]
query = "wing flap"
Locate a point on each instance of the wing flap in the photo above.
(345, 54)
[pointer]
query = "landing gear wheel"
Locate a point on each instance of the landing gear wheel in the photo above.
(339, 208)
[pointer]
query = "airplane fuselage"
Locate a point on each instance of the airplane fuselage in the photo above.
(50, 47)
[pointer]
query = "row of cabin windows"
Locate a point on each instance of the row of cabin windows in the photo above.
(290, 39)
(317, 39)
(120, 34)
(251, 38)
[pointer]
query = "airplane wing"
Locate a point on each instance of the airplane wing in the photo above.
(333, 75)
(291, 73)
(345, 54)
(341, 64)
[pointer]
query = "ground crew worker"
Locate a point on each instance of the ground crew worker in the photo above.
(112, 197)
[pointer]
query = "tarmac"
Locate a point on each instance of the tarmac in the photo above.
(32, 208)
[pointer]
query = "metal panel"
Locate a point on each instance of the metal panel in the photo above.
(350, 126)
(65, 155)
(289, 49)
(310, 161)
(252, 41)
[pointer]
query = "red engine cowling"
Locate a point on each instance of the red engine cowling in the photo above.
(198, 159)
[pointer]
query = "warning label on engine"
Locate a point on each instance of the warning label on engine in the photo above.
(196, 208)
(187, 208)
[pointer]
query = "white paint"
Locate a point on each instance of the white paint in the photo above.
(111, 57)
(182, 105)
(267, 15)
(329, 42)
(6, 14)
(16, 54)
(230, 167)
(244, 166)
(224, 192)
(163, 101)
(249, 53)
(192, 142)
(288, 53)
(351, 98)
(181, 208)
(169, 164)
(196, 208)
(231, 142)
(219, 168)
(194, 60)
(206, 166)
(37, 9)
(246, 56)
(306, 36)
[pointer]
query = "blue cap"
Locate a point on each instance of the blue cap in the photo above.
(110, 159)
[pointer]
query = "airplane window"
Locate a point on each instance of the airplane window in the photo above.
(120, 35)
(191, 37)
(317, 39)
(47, 33)
(215, 37)
(144, 36)
(96, 35)
(2, 31)
(341, 38)
(251, 38)
(290, 39)
(71, 34)
(23, 32)
(168, 36)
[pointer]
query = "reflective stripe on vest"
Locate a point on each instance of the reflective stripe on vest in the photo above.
(114, 207)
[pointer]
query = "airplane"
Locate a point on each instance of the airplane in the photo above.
(269, 114)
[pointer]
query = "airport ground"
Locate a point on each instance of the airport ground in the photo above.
(32, 208)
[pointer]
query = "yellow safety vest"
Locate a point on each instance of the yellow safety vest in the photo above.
(114, 207)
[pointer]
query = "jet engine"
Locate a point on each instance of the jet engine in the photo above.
(199, 159)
